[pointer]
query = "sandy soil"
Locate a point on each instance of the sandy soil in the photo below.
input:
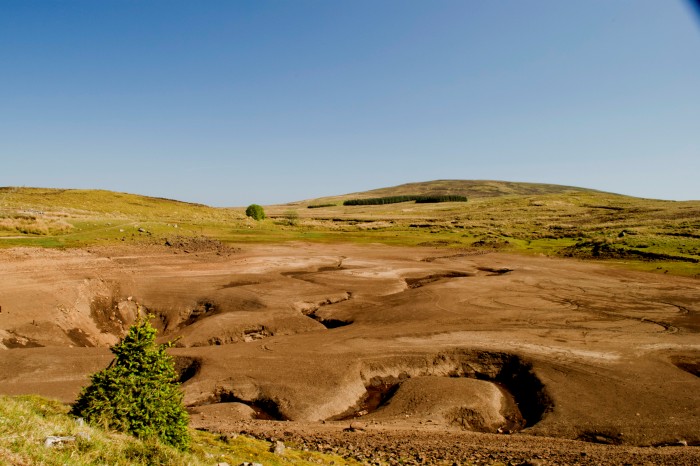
(435, 355)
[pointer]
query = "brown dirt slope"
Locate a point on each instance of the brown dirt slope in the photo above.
(395, 338)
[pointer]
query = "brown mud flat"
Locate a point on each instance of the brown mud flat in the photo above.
(392, 445)
(534, 355)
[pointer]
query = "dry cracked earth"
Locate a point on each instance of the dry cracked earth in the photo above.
(383, 354)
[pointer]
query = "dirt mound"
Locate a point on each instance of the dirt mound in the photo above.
(469, 404)
(194, 244)
(209, 417)
(517, 394)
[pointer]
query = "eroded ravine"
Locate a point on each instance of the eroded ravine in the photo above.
(339, 340)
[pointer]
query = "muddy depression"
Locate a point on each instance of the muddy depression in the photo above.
(393, 337)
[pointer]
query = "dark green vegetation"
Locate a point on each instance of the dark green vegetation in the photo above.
(26, 422)
(138, 393)
(436, 199)
(255, 212)
(418, 199)
(647, 234)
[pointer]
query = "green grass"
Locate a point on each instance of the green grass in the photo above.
(26, 421)
(515, 217)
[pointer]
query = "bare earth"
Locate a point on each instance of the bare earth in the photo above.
(380, 353)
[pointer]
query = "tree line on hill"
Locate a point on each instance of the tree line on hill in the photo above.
(418, 199)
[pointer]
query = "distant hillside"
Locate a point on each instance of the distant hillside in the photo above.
(75, 217)
(656, 235)
(88, 200)
(470, 188)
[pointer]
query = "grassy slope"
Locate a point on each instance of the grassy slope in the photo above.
(94, 216)
(26, 421)
(518, 217)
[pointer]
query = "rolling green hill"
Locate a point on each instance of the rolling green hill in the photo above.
(648, 234)
(75, 217)
(468, 188)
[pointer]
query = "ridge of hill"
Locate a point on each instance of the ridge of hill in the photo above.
(89, 200)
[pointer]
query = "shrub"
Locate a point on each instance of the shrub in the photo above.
(255, 211)
(138, 392)
(292, 217)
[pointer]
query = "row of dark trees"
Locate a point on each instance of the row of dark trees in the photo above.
(418, 199)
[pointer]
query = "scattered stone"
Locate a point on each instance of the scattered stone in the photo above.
(357, 426)
(54, 440)
(278, 448)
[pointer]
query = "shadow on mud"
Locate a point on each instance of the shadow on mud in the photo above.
(265, 409)
(689, 364)
(313, 311)
(422, 281)
(186, 367)
(329, 323)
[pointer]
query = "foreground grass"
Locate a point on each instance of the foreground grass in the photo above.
(26, 422)
(644, 234)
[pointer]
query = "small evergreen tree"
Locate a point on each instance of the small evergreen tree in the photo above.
(255, 211)
(138, 392)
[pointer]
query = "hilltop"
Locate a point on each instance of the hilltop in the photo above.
(468, 188)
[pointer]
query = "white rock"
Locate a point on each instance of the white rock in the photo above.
(279, 448)
(52, 440)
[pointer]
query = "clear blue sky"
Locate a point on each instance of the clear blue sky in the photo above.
(232, 102)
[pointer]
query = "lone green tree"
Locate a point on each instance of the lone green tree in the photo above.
(138, 392)
(255, 211)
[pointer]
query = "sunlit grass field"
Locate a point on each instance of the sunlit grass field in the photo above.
(645, 234)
